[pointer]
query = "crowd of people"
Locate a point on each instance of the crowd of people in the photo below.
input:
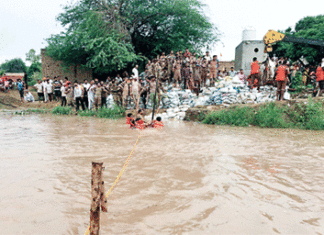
(281, 72)
(184, 70)
(6, 85)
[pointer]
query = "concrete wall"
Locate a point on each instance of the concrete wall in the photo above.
(51, 68)
(246, 51)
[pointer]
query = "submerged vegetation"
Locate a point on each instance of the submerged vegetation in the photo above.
(308, 116)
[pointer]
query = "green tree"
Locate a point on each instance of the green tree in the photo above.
(107, 35)
(310, 27)
(34, 70)
(32, 57)
(16, 65)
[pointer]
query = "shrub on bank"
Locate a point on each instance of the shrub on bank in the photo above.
(37, 110)
(60, 110)
(309, 116)
(114, 113)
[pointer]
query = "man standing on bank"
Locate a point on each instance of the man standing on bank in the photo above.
(255, 72)
(281, 78)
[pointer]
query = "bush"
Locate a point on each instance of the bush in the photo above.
(308, 116)
(271, 116)
(37, 110)
(62, 110)
(236, 116)
(114, 113)
(296, 82)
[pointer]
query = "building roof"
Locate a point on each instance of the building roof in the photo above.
(250, 42)
(13, 76)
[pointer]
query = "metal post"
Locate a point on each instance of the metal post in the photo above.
(156, 89)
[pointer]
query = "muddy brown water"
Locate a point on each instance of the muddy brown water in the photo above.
(188, 178)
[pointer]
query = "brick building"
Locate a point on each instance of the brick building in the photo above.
(226, 65)
(52, 68)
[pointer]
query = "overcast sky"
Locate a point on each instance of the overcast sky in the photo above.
(24, 24)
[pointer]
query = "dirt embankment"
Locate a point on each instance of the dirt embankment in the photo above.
(11, 100)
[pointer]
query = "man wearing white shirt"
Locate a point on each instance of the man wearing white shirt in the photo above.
(208, 57)
(232, 73)
(135, 72)
(78, 96)
(44, 89)
(86, 87)
(91, 94)
(63, 94)
(49, 90)
(39, 88)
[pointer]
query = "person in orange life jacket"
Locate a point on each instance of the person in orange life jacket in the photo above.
(320, 79)
(158, 124)
(255, 73)
(139, 124)
(281, 78)
(130, 120)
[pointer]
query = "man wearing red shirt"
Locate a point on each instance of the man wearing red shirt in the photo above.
(281, 78)
(320, 79)
(255, 72)
(187, 53)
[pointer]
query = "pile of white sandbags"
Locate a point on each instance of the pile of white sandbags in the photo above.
(227, 91)
(172, 113)
(110, 101)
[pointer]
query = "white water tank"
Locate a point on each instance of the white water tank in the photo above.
(249, 34)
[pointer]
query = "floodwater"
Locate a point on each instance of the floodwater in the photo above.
(188, 178)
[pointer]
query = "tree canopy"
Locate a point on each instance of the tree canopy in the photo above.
(107, 35)
(16, 65)
(32, 57)
(310, 27)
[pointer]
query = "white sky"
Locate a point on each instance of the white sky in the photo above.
(24, 24)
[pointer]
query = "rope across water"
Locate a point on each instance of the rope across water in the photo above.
(120, 173)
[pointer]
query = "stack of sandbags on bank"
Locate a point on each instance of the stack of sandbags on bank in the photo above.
(110, 101)
(172, 113)
(186, 97)
(229, 95)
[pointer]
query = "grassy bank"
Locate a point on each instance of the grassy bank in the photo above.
(309, 116)
(114, 113)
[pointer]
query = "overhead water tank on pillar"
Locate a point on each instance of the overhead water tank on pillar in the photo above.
(249, 34)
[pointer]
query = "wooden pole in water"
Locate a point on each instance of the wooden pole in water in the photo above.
(156, 89)
(98, 198)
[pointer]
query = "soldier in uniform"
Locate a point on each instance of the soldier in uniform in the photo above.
(165, 76)
(115, 90)
(197, 79)
(158, 89)
(170, 59)
(204, 72)
(127, 87)
(177, 73)
(149, 68)
(186, 75)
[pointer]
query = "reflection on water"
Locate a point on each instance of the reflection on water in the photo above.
(186, 179)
